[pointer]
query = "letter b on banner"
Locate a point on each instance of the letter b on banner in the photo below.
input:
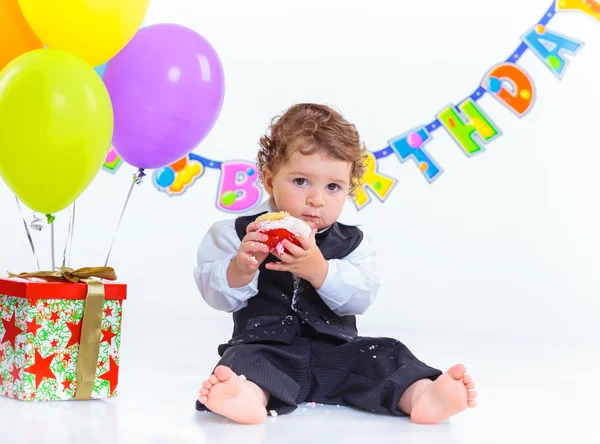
(239, 190)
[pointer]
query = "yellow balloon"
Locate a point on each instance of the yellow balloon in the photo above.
(56, 125)
(95, 30)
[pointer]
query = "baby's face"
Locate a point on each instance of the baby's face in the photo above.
(311, 187)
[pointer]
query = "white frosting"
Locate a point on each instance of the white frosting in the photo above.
(292, 224)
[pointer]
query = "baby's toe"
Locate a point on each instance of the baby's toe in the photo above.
(213, 379)
(457, 371)
(472, 403)
(467, 379)
(472, 394)
(470, 386)
(203, 392)
(207, 385)
(204, 399)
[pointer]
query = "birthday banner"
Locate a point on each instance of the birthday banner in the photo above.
(467, 124)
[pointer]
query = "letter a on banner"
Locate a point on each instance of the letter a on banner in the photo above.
(550, 47)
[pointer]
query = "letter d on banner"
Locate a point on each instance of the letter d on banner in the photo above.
(511, 86)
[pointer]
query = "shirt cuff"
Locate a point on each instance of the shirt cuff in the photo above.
(332, 291)
(220, 284)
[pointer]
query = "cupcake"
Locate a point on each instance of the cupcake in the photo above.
(281, 226)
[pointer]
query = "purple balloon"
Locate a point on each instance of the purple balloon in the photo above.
(167, 88)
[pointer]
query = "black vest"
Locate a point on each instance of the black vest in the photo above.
(283, 303)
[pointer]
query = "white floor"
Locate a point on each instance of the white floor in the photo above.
(529, 392)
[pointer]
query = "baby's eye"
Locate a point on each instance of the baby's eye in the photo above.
(301, 181)
(333, 187)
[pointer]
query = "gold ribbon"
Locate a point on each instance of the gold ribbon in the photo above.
(91, 329)
(71, 275)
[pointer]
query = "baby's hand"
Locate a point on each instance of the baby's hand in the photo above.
(305, 261)
(252, 251)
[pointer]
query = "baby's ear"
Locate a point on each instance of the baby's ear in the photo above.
(267, 180)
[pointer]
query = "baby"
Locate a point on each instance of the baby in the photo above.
(294, 308)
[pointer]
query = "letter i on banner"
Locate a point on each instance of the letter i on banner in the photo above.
(589, 7)
(550, 48)
(239, 190)
(511, 86)
(472, 129)
(112, 161)
(379, 184)
(410, 145)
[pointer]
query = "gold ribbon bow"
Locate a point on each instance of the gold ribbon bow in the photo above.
(71, 275)
(91, 329)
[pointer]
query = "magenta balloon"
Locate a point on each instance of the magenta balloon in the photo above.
(167, 88)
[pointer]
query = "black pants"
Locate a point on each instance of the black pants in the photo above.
(368, 373)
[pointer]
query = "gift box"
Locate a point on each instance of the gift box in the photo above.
(50, 335)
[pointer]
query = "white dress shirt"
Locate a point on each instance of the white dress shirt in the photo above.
(350, 286)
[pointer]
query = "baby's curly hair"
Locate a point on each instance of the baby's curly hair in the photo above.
(313, 128)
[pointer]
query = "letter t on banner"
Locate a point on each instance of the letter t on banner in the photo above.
(410, 145)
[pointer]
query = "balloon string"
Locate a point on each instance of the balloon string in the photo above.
(37, 261)
(52, 253)
(137, 179)
(71, 236)
(69, 241)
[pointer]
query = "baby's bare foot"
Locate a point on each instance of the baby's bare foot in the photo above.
(448, 395)
(229, 395)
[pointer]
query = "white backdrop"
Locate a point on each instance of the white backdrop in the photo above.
(504, 243)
